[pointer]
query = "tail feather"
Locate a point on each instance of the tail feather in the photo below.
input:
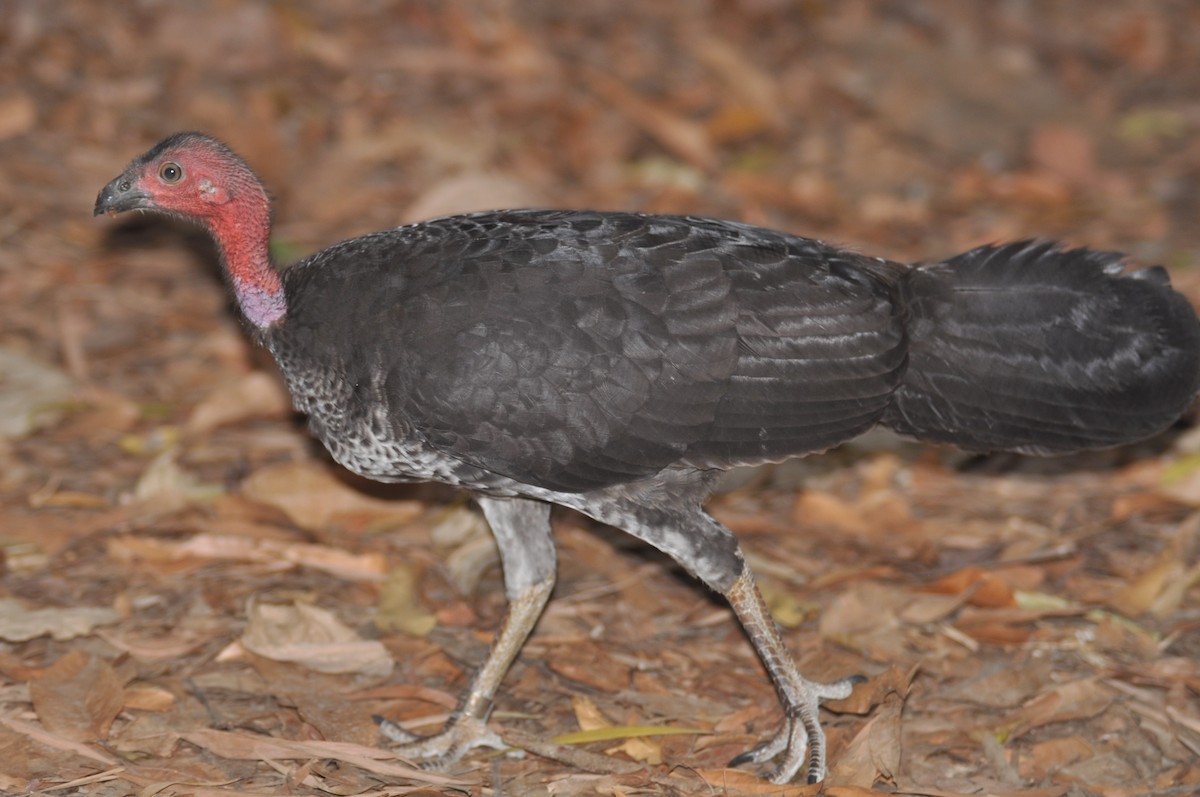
(1029, 347)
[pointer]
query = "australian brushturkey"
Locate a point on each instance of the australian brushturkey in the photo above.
(616, 363)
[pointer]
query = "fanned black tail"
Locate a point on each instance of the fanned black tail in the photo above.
(1029, 347)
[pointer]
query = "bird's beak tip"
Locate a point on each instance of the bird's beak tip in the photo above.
(119, 196)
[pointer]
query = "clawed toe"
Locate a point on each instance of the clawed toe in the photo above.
(443, 749)
(801, 733)
(763, 752)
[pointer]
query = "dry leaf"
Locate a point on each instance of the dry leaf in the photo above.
(823, 509)
(684, 138)
(1046, 757)
(856, 765)
(587, 714)
(254, 747)
(148, 697)
(739, 782)
(874, 752)
(31, 394)
(785, 608)
(167, 485)
(78, 696)
(978, 586)
(311, 496)
(1065, 151)
(399, 608)
(1161, 588)
(465, 193)
(59, 742)
(645, 750)
(930, 608)
(175, 645)
(1140, 593)
(893, 680)
(18, 115)
(315, 638)
(1007, 687)
(201, 547)
(257, 394)
(884, 737)
(588, 663)
(18, 624)
(745, 79)
(1076, 700)
(864, 608)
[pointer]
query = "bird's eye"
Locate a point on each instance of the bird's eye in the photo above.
(170, 172)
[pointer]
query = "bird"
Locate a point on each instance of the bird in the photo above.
(616, 363)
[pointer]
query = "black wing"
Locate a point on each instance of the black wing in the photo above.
(573, 350)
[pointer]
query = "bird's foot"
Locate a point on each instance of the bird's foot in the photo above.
(801, 732)
(442, 749)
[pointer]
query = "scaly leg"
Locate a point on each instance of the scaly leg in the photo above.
(799, 696)
(666, 513)
(522, 531)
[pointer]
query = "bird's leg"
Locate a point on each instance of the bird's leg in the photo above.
(522, 531)
(799, 696)
(665, 512)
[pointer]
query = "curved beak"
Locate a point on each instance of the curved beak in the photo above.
(120, 195)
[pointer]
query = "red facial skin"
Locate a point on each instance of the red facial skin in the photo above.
(198, 179)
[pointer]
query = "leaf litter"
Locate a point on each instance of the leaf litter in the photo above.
(1028, 627)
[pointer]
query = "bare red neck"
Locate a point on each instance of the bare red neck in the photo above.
(243, 231)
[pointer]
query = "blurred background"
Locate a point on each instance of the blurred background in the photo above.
(135, 414)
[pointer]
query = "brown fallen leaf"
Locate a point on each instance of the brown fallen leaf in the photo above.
(978, 586)
(399, 608)
(18, 624)
(315, 638)
(817, 508)
(1065, 151)
(639, 748)
(588, 663)
(166, 485)
(864, 616)
(1160, 588)
(884, 738)
(686, 139)
(474, 191)
(78, 696)
(18, 114)
(148, 697)
(1044, 758)
(311, 496)
(254, 747)
(874, 753)
(995, 633)
(1075, 700)
(926, 609)
(856, 765)
(864, 698)
(735, 782)
(588, 714)
(58, 741)
(648, 751)
(345, 564)
(338, 562)
(175, 645)
(1007, 687)
(257, 394)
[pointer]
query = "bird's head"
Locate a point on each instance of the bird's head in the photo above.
(190, 175)
(196, 177)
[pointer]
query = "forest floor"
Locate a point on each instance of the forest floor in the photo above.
(195, 601)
